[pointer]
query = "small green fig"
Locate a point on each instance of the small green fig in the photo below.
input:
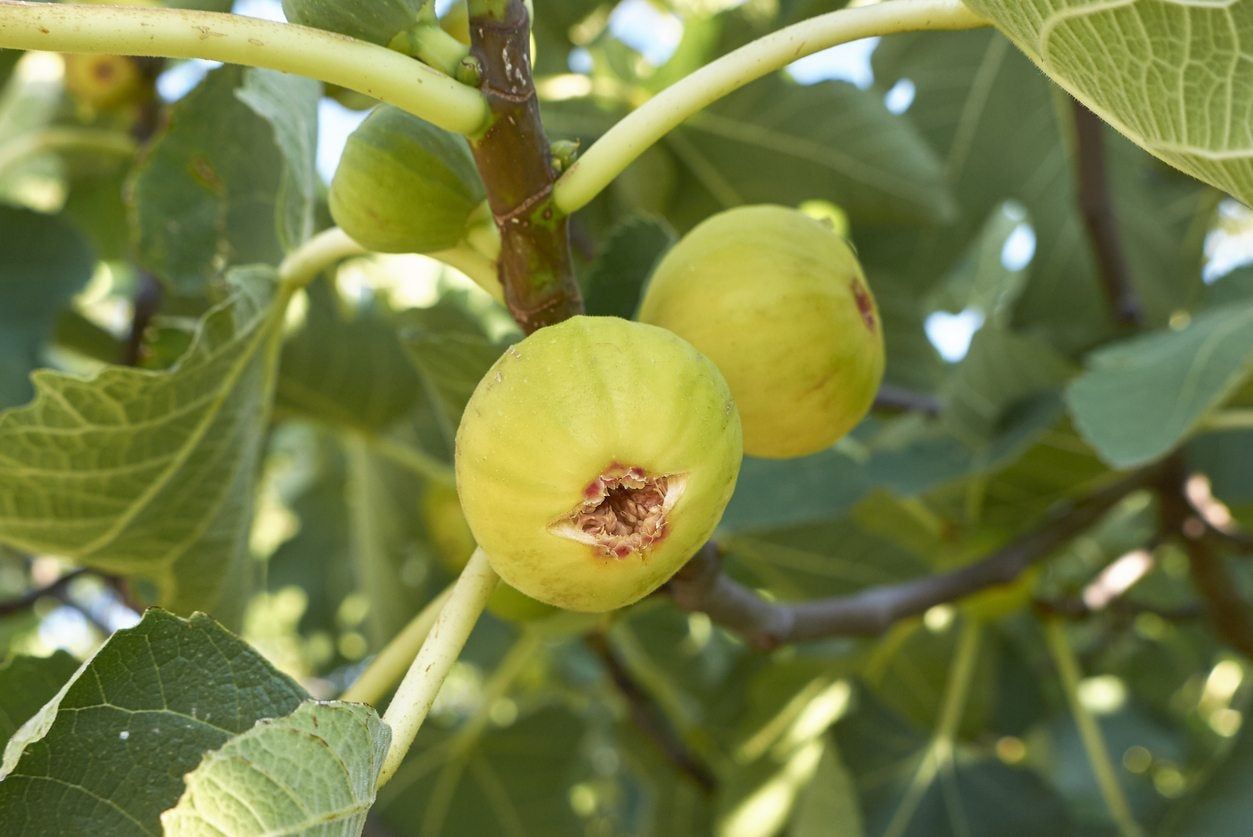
(376, 21)
(453, 542)
(594, 458)
(779, 302)
(104, 82)
(403, 185)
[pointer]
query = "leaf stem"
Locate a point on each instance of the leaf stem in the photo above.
(478, 267)
(412, 459)
(64, 139)
(320, 252)
(421, 684)
(179, 33)
(391, 663)
(1089, 731)
(625, 141)
(1231, 419)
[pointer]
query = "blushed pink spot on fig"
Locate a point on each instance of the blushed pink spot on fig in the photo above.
(865, 305)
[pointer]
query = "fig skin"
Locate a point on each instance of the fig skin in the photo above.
(453, 542)
(586, 399)
(779, 302)
(403, 185)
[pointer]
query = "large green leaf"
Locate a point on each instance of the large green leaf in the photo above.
(43, 262)
(107, 755)
(1172, 75)
(310, 772)
(1004, 134)
(26, 684)
(365, 389)
(617, 278)
(1142, 397)
(777, 141)
(231, 178)
(829, 803)
(152, 473)
(512, 780)
(1220, 806)
(908, 786)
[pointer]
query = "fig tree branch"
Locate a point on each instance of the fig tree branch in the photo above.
(701, 586)
(234, 39)
(1096, 207)
(648, 718)
(900, 400)
(625, 141)
(28, 599)
(513, 156)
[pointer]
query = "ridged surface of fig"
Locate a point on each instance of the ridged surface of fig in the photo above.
(403, 185)
(594, 458)
(779, 302)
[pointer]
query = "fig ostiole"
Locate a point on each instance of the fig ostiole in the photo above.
(594, 459)
(779, 302)
(404, 185)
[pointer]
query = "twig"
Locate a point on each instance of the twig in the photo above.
(1097, 209)
(1228, 612)
(892, 398)
(514, 158)
(701, 585)
(28, 599)
(145, 305)
(648, 717)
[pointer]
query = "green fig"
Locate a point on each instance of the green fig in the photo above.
(404, 186)
(594, 459)
(779, 302)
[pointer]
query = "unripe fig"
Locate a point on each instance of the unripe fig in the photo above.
(104, 82)
(403, 185)
(453, 542)
(594, 458)
(779, 302)
(376, 21)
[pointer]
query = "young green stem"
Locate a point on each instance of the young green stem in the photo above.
(1229, 419)
(1089, 731)
(421, 684)
(317, 254)
(391, 663)
(625, 141)
(177, 33)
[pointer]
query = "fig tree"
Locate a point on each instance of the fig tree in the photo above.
(594, 458)
(403, 185)
(779, 302)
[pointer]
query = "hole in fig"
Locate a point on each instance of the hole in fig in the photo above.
(623, 511)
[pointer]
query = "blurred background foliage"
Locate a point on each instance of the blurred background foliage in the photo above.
(951, 161)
